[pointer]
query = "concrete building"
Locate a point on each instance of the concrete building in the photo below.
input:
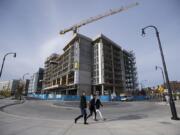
(72, 72)
(93, 66)
(108, 69)
(36, 81)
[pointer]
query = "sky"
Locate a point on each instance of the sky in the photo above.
(31, 29)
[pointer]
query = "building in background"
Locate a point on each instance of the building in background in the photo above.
(94, 66)
(5, 85)
(10, 85)
(25, 84)
(14, 85)
(36, 81)
(175, 86)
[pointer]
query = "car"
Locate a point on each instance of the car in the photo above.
(127, 98)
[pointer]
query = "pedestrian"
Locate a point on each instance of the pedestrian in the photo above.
(98, 105)
(83, 107)
(92, 107)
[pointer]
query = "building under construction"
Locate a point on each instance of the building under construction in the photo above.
(92, 65)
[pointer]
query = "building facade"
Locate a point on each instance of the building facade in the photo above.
(36, 81)
(70, 73)
(93, 66)
(175, 86)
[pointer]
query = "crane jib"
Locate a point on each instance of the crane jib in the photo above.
(92, 19)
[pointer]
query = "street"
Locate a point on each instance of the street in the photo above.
(57, 118)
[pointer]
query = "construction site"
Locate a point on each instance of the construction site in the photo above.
(94, 65)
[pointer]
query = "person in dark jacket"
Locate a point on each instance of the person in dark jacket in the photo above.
(83, 106)
(92, 107)
(98, 105)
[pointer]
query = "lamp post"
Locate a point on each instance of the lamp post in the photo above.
(172, 105)
(158, 67)
(25, 75)
(14, 54)
(24, 83)
(42, 82)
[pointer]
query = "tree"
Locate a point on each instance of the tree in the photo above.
(19, 91)
(6, 92)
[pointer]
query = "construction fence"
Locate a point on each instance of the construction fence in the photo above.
(77, 98)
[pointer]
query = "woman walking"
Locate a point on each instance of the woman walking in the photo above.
(98, 105)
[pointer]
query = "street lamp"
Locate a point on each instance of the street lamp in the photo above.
(24, 83)
(158, 67)
(25, 75)
(172, 105)
(14, 54)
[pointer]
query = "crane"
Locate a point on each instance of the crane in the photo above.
(95, 18)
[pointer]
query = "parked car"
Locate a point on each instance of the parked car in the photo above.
(127, 98)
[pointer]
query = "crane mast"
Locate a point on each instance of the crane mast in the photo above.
(95, 18)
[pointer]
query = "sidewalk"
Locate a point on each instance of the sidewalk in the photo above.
(8, 102)
(177, 103)
(134, 124)
(27, 126)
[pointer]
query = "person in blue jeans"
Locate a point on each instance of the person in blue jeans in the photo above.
(83, 107)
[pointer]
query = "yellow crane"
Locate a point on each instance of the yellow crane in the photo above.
(95, 18)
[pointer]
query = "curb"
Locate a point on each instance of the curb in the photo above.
(11, 104)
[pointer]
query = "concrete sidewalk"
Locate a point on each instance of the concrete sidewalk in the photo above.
(128, 124)
(28, 126)
(8, 102)
(177, 103)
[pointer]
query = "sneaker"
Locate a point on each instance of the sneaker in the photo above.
(75, 121)
(86, 123)
(95, 120)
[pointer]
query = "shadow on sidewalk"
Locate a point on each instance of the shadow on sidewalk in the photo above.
(127, 117)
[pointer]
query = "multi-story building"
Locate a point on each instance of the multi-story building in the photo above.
(36, 81)
(108, 69)
(70, 73)
(88, 65)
